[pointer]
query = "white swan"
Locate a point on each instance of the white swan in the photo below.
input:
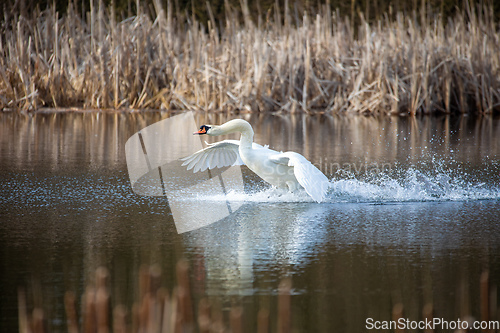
(280, 169)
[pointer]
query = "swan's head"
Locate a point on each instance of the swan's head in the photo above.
(205, 129)
(212, 130)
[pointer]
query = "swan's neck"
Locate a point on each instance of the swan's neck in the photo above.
(246, 139)
(242, 126)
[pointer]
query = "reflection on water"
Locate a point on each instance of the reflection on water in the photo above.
(420, 231)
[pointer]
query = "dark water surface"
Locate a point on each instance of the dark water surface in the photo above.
(413, 217)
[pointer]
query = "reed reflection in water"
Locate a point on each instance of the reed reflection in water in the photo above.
(68, 208)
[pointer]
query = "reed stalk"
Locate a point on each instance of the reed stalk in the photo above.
(314, 63)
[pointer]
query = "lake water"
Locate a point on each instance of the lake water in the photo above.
(412, 217)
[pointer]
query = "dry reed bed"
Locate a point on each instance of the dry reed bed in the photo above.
(156, 311)
(314, 63)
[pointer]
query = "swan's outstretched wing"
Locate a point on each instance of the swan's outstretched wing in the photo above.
(312, 180)
(220, 154)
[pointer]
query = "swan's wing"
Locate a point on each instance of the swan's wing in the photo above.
(280, 158)
(312, 180)
(220, 154)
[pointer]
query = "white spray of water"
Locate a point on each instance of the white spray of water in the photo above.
(437, 182)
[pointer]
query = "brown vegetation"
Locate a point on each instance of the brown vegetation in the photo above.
(413, 64)
(156, 311)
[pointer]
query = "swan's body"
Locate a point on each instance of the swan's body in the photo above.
(283, 170)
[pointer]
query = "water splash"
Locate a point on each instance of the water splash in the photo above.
(413, 185)
(437, 180)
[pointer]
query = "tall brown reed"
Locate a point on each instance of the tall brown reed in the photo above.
(313, 63)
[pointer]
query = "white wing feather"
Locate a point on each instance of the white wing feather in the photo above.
(220, 154)
(312, 180)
